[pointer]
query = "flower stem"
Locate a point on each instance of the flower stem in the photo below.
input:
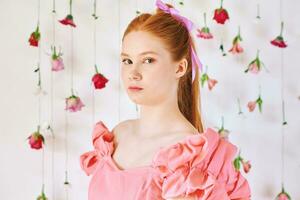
(95, 9)
(222, 123)
(70, 7)
(53, 7)
(205, 19)
(239, 33)
(257, 53)
(96, 69)
(206, 69)
(221, 3)
(281, 28)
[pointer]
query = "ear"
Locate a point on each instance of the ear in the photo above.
(181, 68)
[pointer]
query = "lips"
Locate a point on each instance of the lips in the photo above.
(135, 88)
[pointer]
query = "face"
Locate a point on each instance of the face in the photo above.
(147, 64)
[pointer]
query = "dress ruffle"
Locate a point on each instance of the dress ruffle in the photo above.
(201, 166)
(103, 146)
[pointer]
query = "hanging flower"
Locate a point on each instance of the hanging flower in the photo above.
(252, 104)
(236, 48)
(224, 133)
(99, 79)
(39, 90)
(246, 166)
(255, 65)
(258, 17)
(66, 182)
(211, 82)
(222, 49)
(68, 20)
(279, 41)
(42, 196)
(73, 103)
(35, 37)
(283, 195)
(56, 60)
(221, 14)
(36, 140)
(239, 104)
(204, 32)
(237, 163)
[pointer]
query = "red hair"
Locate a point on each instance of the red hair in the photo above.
(178, 41)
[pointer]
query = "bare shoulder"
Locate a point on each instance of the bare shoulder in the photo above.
(122, 128)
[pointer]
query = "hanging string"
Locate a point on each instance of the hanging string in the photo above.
(71, 65)
(66, 152)
(119, 45)
(38, 12)
(52, 103)
(39, 96)
(282, 100)
(43, 166)
(95, 58)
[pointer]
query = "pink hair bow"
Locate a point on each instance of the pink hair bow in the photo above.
(189, 25)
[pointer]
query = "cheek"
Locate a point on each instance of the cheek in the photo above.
(124, 75)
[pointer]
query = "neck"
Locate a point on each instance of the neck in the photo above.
(162, 118)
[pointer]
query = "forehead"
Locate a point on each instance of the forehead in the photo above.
(137, 42)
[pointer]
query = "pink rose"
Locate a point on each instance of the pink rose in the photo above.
(211, 83)
(73, 104)
(236, 48)
(246, 166)
(57, 64)
(251, 105)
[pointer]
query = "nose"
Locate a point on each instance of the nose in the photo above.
(134, 74)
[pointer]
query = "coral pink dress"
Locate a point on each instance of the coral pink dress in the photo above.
(200, 165)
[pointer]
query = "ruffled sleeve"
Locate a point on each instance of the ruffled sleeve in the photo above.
(201, 166)
(103, 144)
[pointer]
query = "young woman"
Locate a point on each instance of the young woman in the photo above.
(166, 153)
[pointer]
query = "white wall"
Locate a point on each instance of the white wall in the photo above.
(259, 135)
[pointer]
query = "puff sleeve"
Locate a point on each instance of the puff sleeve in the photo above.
(201, 166)
(103, 145)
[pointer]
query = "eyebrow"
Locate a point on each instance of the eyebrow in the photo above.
(146, 52)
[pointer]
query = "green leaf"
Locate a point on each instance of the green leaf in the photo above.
(259, 102)
(237, 164)
(204, 78)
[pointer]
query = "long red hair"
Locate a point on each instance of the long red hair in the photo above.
(178, 40)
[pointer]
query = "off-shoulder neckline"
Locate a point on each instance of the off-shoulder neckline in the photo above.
(150, 166)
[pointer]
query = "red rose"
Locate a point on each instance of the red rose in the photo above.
(34, 38)
(36, 140)
(279, 42)
(99, 81)
(68, 20)
(221, 15)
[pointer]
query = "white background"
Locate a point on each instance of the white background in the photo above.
(258, 135)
